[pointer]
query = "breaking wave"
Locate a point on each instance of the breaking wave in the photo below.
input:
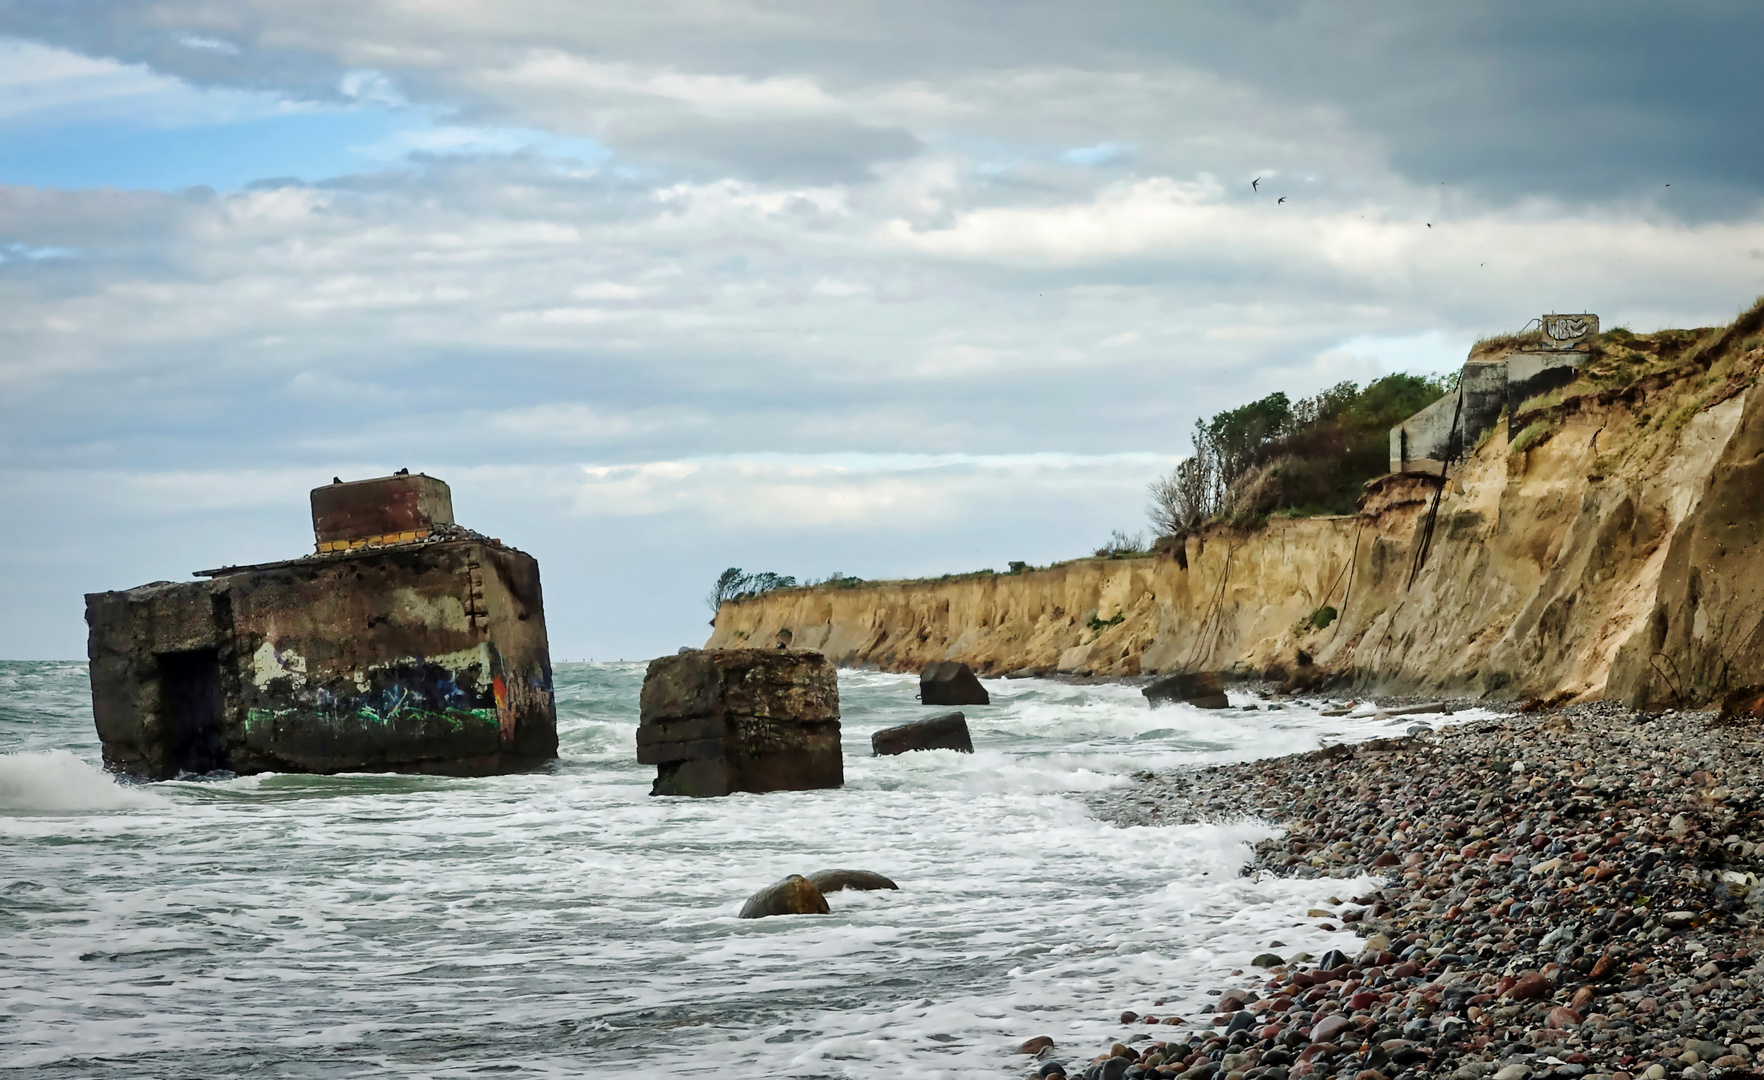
(57, 782)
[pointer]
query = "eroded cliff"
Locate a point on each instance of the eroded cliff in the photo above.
(1610, 547)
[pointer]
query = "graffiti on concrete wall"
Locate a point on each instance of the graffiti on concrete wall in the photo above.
(1567, 331)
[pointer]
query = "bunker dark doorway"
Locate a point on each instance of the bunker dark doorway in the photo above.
(190, 682)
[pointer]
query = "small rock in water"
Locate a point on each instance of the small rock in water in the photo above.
(795, 895)
(948, 732)
(1036, 1045)
(1267, 960)
(857, 880)
(1201, 690)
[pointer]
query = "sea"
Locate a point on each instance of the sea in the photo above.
(565, 923)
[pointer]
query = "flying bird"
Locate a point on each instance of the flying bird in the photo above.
(1280, 200)
(1430, 224)
(1256, 184)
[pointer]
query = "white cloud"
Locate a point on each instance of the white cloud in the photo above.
(371, 88)
(797, 491)
(41, 86)
(709, 95)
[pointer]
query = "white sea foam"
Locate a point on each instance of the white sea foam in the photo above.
(566, 923)
(57, 782)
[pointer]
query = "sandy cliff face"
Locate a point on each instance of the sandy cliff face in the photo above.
(1615, 552)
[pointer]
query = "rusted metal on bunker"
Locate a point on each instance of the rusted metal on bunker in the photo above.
(385, 651)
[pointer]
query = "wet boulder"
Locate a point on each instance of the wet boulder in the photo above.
(1199, 689)
(948, 732)
(718, 721)
(945, 682)
(795, 895)
(857, 880)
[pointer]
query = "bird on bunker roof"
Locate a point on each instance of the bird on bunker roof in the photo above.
(336, 479)
(402, 472)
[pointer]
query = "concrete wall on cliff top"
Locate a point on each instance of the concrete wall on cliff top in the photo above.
(1624, 542)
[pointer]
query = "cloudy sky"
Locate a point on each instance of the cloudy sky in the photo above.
(889, 289)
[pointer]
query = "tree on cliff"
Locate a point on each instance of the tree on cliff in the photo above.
(1272, 455)
(736, 584)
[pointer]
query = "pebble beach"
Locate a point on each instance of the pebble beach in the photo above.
(1567, 893)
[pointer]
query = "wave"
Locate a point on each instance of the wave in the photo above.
(57, 782)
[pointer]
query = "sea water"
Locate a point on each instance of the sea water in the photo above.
(566, 923)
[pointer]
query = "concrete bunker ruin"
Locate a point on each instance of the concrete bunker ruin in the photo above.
(404, 644)
(1442, 431)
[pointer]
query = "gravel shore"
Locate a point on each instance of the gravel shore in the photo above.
(1569, 893)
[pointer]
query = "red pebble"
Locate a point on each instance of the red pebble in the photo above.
(1363, 1000)
(1561, 1017)
(1530, 986)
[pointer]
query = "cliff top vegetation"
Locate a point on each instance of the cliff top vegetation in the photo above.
(1275, 455)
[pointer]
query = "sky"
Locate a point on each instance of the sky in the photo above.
(887, 289)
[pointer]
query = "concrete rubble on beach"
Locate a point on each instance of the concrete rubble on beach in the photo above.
(404, 644)
(1569, 894)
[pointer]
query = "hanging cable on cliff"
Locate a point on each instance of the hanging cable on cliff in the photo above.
(1349, 571)
(1425, 540)
(1214, 610)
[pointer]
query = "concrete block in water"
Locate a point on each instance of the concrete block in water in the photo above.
(719, 721)
(413, 656)
(948, 732)
(946, 682)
